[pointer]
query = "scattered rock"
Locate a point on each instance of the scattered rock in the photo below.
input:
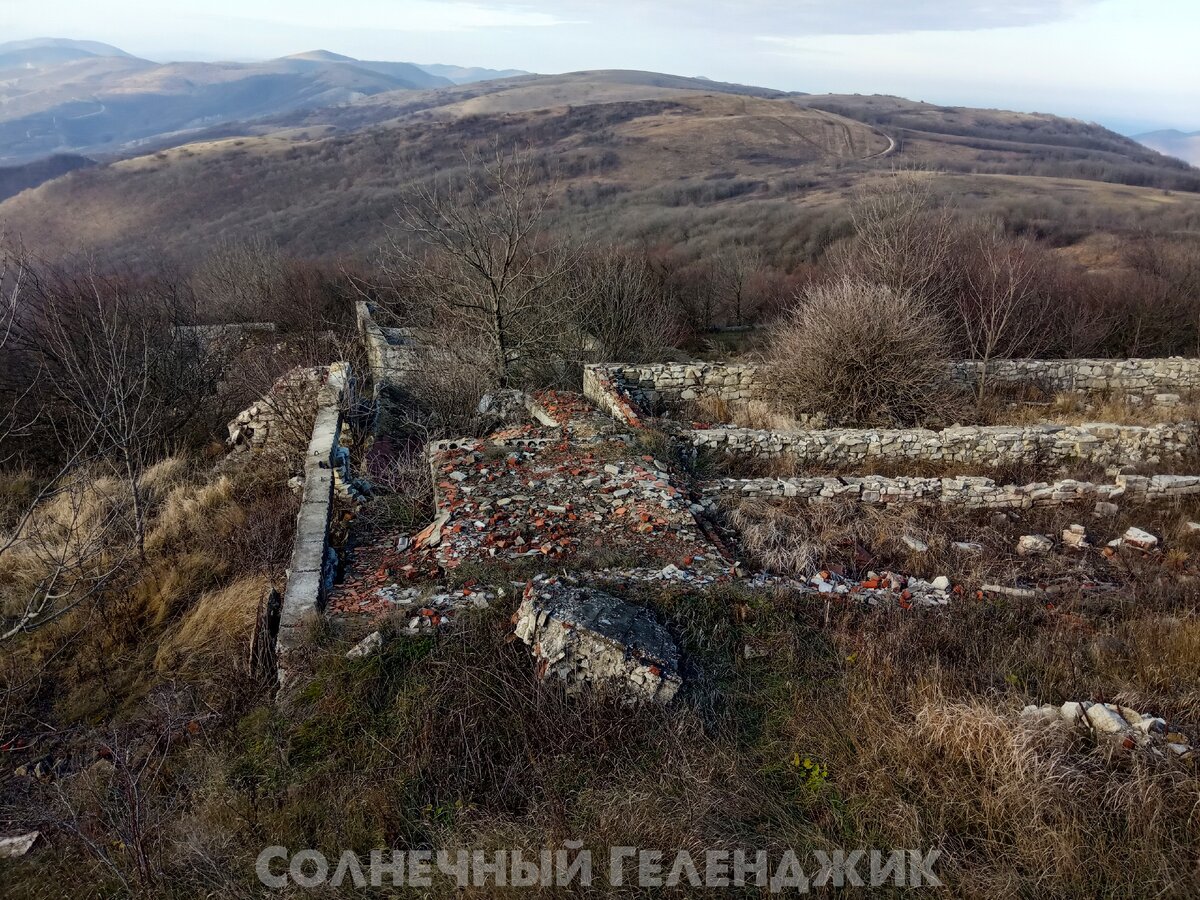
(1139, 539)
(967, 547)
(18, 845)
(1075, 536)
(916, 545)
(1106, 510)
(1034, 545)
(368, 646)
(589, 638)
(1132, 728)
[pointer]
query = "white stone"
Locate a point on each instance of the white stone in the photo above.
(368, 646)
(1142, 540)
(1105, 720)
(1034, 545)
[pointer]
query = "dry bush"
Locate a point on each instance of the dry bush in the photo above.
(861, 354)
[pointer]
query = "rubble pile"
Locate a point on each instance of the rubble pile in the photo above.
(889, 588)
(588, 638)
(1128, 727)
(554, 500)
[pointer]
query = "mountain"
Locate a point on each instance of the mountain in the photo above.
(469, 75)
(1173, 143)
(639, 157)
(52, 51)
(406, 74)
(61, 96)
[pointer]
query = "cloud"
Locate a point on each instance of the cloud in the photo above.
(824, 17)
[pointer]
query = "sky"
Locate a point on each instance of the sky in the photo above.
(1132, 65)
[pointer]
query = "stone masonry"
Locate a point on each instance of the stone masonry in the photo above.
(971, 492)
(1103, 444)
(667, 386)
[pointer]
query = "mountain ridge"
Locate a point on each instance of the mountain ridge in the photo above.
(62, 96)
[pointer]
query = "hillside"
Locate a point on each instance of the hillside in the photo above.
(1173, 142)
(14, 179)
(675, 161)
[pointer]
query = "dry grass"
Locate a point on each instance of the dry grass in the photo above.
(215, 632)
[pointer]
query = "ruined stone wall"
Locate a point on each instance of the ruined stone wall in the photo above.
(390, 351)
(311, 569)
(1134, 376)
(988, 446)
(967, 492)
(667, 386)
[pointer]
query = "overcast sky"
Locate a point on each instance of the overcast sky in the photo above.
(1130, 64)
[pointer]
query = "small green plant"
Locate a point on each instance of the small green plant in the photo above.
(813, 775)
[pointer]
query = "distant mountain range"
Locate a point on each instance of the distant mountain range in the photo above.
(64, 96)
(1174, 143)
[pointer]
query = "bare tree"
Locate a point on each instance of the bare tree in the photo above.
(120, 376)
(469, 254)
(242, 281)
(624, 307)
(1001, 310)
(903, 239)
(733, 270)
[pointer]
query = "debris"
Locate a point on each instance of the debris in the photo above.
(1075, 536)
(18, 845)
(1135, 729)
(589, 638)
(1106, 510)
(1034, 545)
(431, 536)
(1139, 539)
(916, 545)
(368, 646)
(967, 547)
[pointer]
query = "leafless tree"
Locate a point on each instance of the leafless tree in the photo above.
(1001, 310)
(904, 239)
(121, 808)
(242, 281)
(734, 269)
(120, 377)
(623, 306)
(470, 255)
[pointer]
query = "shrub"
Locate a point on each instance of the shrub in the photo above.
(861, 354)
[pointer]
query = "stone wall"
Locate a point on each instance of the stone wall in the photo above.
(1135, 376)
(987, 446)
(666, 386)
(280, 420)
(968, 492)
(660, 387)
(390, 351)
(310, 572)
